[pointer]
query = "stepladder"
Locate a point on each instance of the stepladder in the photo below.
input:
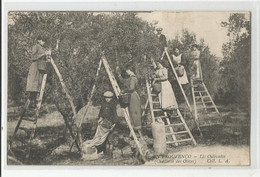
(27, 122)
(205, 110)
(165, 52)
(125, 111)
(28, 118)
(177, 131)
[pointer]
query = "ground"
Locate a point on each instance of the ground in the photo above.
(220, 145)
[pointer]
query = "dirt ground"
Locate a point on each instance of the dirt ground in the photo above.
(220, 145)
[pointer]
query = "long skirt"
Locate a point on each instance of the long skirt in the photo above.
(183, 79)
(34, 78)
(167, 97)
(135, 111)
(197, 74)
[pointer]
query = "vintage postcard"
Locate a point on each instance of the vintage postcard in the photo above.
(129, 88)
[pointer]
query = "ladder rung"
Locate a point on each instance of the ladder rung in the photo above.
(178, 141)
(205, 102)
(174, 133)
(156, 102)
(157, 110)
(154, 94)
(197, 91)
(202, 108)
(202, 97)
(160, 117)
(23, 128)
(177, 124)
(175, 116)
(28, 119)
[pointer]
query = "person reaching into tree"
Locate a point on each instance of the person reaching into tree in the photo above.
(134, 99)
(37, 69)
(178, 64)
(166, 96)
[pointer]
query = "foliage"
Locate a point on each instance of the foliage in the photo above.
(234, 85)
(123, 37)
(209, 63)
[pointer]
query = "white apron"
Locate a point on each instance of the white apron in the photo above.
(183, 79)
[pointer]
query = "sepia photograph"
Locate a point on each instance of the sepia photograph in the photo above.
(129, 88)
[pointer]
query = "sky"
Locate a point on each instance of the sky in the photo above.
(206, 25)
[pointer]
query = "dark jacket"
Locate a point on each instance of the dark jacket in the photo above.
(108, 111)
(162, 40)
(34, 78)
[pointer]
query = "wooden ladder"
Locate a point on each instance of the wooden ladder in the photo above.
(177, 78)
(33, 121)
(23, 117)
(204, 106)
(125, 110)
(176, 128)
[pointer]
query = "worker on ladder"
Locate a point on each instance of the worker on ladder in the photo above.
(162, 40)
(134, 99)
(179, 63)
(37, 69)
(166, 96)
(196, 67)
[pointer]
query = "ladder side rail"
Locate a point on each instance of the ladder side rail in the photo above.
(200, 71)
(146, 103)
(195, 108)
(150, 99)
(90, 95)
(210, 98)
(171, 130)
(186, 127)
(145, 107)
(203, 101)
(39, 103)
(64, 87)
(162, 55)
(177, 78)
(125, 110)
(69, 98)
(194, 101)
(24, 109)
(38, 106)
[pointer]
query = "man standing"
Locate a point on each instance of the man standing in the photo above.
(162, 39)
(107, 120)
(37, 69)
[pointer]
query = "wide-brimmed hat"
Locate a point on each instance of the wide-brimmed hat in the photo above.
(159, 29)
(108, 94)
